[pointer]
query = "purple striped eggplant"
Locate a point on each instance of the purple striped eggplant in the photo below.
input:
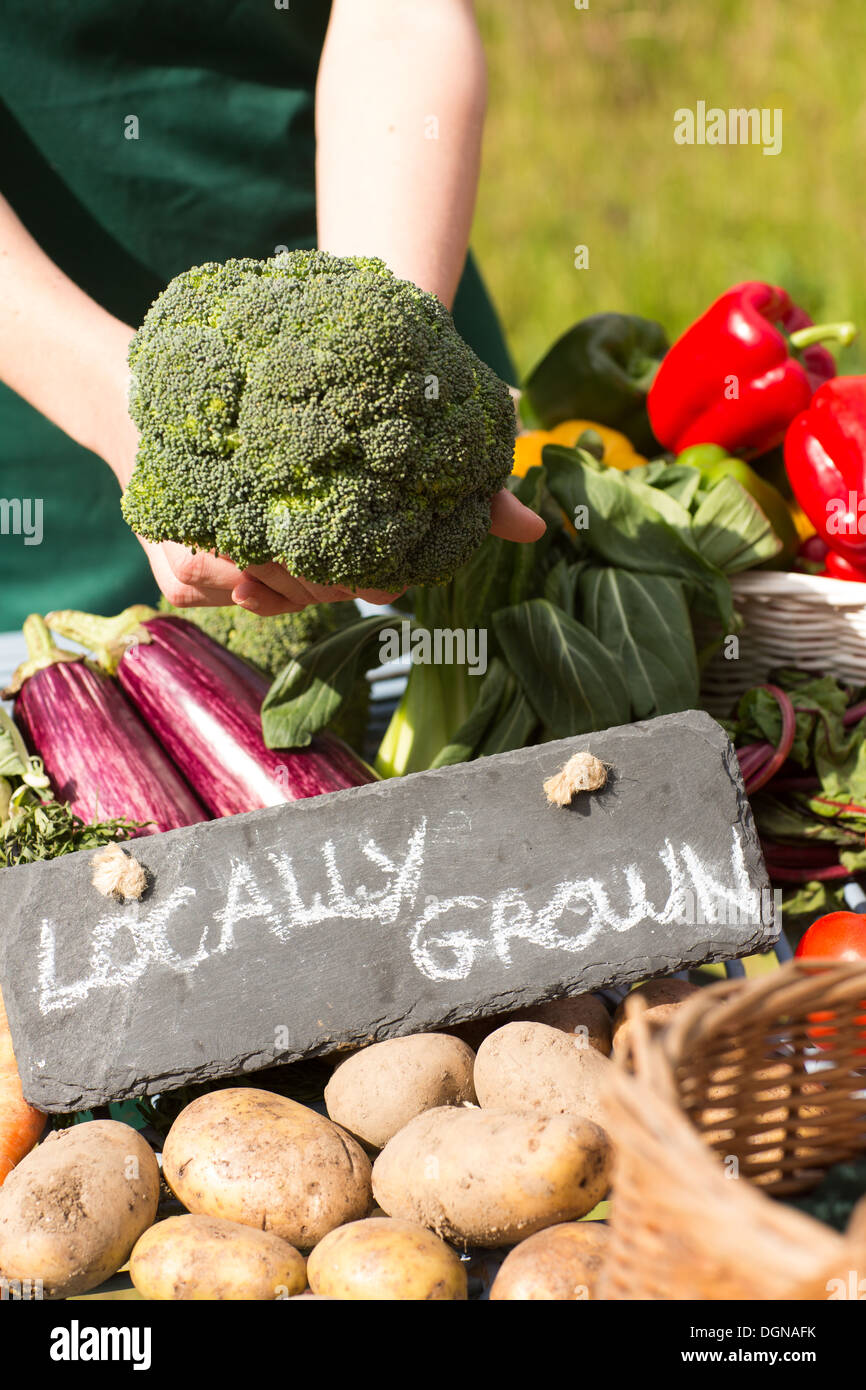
(98, 753)
(204, 705)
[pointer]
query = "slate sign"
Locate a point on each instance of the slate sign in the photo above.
(387, 909)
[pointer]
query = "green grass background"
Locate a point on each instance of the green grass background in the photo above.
(579, 149)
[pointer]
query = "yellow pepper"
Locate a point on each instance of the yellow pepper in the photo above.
(618, 451)
(805, 529)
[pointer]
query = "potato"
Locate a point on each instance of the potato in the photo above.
(385, 1259)
(74, 1207)
(561, 1263)
(583, 1014)
(487, 1177)
(664, 997)
(266, 1161)
(204, 1257)
(380, 1089)
(528, 1066)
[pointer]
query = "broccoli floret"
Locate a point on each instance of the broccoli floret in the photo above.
(270, 644)
(317, 411)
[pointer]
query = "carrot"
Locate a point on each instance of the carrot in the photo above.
(20, 1123)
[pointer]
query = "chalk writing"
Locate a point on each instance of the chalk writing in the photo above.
(445, 937)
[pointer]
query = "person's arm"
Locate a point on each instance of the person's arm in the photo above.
(67, 357)
(400, 103)
(63, 353)
(400, 108)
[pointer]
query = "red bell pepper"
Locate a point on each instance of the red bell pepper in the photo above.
(825, 457)
(837, 568)
(741, 372)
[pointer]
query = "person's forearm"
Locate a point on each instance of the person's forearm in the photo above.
(61, 351)
(399, 114)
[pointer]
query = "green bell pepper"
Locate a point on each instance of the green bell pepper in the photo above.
(601, 369)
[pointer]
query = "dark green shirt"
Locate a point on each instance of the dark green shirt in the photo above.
(138, 138)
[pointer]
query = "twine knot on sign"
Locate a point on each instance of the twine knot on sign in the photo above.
(582, 773)
(117, 875)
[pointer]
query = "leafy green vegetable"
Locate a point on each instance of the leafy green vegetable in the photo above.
(514, 724)
(495, 685)
(811, 814)
(628, 523)
(731, 530)
(307, 695)
(47, 829)
(678, 479)
(643, 620)
(572, 682)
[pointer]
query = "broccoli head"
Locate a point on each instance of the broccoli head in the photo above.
(317, 411)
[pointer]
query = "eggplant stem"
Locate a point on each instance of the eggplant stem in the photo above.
(107, 638)
(41, 652)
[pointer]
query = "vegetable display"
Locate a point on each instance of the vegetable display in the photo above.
(316, 411)
(322, 413)
(204, 706)
(739, 375)
(100, 757)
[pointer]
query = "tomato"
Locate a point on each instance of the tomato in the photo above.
(837, 936)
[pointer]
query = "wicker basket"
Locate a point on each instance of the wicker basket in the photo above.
(733, 1096)
(790, 620)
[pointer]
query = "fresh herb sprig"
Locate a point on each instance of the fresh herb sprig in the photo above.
(47, 829)
(33, 826)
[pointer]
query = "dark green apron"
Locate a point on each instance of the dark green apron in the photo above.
(137, 138)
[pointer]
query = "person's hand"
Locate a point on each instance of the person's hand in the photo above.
(513, 521)
(193, 579)
(199, 579)
(270, 589)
